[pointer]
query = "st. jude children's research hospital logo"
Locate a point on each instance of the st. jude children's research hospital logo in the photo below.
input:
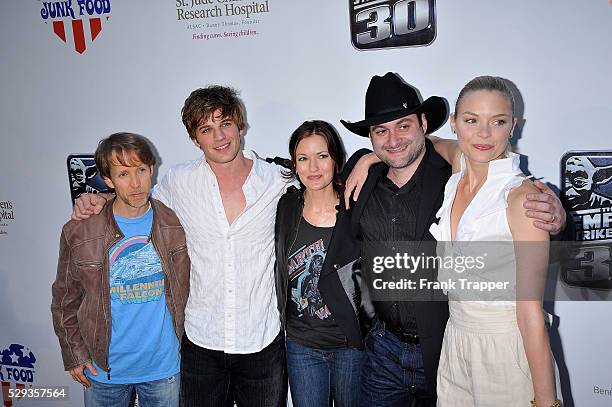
(16, 370)
(76, 22)
(586, 179)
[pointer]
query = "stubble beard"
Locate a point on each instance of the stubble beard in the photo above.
(412, 156)
(137, 205)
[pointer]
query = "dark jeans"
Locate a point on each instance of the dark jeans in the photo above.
(393, 374)
(216, 379)
(315, 375)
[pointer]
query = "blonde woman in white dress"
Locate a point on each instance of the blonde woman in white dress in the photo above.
(494, 352)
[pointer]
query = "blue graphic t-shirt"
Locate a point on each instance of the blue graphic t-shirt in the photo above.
(143, 345)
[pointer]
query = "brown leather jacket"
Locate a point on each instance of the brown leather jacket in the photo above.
(81, 291)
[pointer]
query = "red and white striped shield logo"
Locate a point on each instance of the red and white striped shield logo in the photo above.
(78, 23)
(84, 32)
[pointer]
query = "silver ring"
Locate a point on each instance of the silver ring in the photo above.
(553, 219)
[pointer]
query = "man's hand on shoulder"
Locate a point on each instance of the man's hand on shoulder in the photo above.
(545, 209)
(89, 204)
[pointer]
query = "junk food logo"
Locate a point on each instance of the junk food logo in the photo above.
(77, 23)
(16, 369)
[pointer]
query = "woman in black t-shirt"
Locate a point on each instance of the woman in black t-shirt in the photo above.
(316, 255)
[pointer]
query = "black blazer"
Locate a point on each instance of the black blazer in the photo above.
(342, 253)
(431, 315)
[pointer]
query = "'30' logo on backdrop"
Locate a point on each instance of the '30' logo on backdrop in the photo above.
(392, 23)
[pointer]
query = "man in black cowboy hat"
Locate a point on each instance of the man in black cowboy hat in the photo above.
(398, 203)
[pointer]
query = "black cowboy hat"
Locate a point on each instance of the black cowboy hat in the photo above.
(388, 98)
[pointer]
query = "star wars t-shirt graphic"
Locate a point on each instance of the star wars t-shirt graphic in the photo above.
(305, 282)
(136, 275)
(143, 344)
(309, 320)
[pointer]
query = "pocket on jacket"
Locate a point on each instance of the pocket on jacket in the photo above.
(88, 272)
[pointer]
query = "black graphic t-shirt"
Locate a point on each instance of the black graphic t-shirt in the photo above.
(309, 320)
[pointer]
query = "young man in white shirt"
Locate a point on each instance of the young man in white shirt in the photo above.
(233, 348)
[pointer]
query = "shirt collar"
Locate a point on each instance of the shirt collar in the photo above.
(503, 166)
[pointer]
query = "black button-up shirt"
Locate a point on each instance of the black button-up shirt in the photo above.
(390, 216)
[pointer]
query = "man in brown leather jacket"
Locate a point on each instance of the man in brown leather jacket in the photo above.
(122, 285)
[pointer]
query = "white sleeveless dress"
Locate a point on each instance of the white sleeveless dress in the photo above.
(483, 361)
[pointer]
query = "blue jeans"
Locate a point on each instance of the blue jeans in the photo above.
(393, 374)
(315, 376)
(157, 393)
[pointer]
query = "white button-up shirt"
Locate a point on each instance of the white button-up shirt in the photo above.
(232, 304)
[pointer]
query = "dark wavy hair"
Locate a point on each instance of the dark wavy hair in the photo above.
(334, 147)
